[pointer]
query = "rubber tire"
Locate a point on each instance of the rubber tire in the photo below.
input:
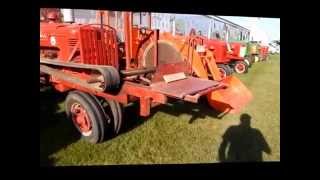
(247, 62)
(95, 112)
(230, 70)
(115, 78)
(113, 109)
(238, 62)
(226, 68)
(112, 77)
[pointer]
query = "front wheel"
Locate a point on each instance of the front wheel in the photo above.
(95, 120)
(87, 115)
(240, 67)
(224, 70)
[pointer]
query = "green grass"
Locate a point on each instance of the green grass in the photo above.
(175, 133)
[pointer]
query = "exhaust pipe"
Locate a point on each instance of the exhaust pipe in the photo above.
(68, 15)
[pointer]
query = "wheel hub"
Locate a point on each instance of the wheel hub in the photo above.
(81, 118)
(223, 73)
(240, 67)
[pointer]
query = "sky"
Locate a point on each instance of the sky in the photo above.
(271, 26)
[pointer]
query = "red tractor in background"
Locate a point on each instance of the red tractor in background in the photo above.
(101, 74)
(229, 57)
(263, 52)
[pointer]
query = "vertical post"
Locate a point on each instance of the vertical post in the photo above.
(145, 104)
(99, 18)
(106, 14)
(140, 19)
(127, 38)
(227, 39)
(130, 33)
(155, 57)
(149, 20)
(116, 20)
(209, 30)
(174, 26)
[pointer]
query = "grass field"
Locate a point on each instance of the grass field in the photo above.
(175, 133)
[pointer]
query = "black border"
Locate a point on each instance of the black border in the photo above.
(27, 68)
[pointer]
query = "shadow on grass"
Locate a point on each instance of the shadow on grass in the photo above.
(56, 132)
(198, 110)
(132, 118)
(246, 144)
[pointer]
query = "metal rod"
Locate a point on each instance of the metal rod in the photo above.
(107, 17)
(127, 38)
(130, 33)
(137, 71)
(149, 20)
(155, 57)
(140, 19)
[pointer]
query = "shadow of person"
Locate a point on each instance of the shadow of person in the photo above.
(245, 143)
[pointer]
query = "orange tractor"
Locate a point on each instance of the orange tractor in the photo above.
(102, 75)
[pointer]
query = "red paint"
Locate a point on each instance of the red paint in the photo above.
(88, 44)
(181, 88)
(264, 50)
(80, 118)
(220, 51)
(223, 73)
(240, 67)
(91, 44)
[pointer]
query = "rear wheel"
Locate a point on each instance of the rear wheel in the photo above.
(94, 120)
(87, 115)
(224, 70)
(113, 110)
(240, 67)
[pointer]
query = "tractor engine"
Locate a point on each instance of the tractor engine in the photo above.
(86, 44)
(220, 49)
(80, 45)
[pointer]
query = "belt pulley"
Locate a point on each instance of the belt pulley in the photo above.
(108, 77)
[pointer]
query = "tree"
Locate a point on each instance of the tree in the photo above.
(276, 41)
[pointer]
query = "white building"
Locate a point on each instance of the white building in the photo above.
(162, 21)
(211, 26)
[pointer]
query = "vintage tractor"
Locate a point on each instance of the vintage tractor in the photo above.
(263, 52)
(102, 74)
(228, 56)
(240, 48)
(253, 52)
